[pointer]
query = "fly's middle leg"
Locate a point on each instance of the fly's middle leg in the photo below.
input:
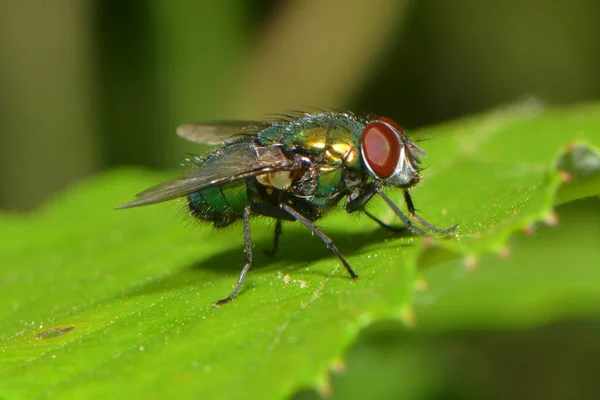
(326, 239)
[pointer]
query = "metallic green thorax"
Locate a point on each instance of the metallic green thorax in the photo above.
(328, 137)
(330, 143)
(332, 139)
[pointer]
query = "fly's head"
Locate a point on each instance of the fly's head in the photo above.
(389, 155)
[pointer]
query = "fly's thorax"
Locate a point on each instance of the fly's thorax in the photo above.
(331, 139)
(323, 186)
(329, 183)
(331, 145)
(327, 144)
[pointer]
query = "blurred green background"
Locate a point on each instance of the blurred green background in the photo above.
(90, 85)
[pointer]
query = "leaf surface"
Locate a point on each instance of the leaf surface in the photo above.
(104, 303)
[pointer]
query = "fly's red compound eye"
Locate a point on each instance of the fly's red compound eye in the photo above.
(381, 146)
(391, 122)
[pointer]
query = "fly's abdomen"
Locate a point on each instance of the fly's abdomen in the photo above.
(221, 205)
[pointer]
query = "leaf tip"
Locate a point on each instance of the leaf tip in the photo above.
(471, 262)
(529, 229)
(407, 316)
(421, 285)
(325, 388)
(551, 219)
(338, 366)
(504, 252)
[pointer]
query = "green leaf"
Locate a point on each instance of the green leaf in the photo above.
(545, 276)
(533, 299)
(100, 303)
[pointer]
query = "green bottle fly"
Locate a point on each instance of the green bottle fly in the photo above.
(295, 168)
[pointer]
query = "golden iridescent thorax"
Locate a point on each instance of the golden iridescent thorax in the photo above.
(335, 145)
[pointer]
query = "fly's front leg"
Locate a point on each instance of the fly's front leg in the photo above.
(359, 201)
(383, 224)
(248, 250)
(328, 242)
(405, 220)
(412, 212)
(411, 209)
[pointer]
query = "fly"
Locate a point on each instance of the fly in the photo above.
(296, 168)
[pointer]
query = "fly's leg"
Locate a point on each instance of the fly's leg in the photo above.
(357, 203)
(383, 224)
(328, 242)
(248, 251)
(405, 220)
(276, 236)
(412, 212)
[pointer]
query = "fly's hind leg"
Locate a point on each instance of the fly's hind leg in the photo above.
(248, 250)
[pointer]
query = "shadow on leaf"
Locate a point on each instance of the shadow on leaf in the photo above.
(297, 249)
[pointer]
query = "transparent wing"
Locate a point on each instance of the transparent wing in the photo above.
(219, 132)
(236, 161)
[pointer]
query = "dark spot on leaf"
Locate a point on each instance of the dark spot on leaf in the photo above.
(54, 332)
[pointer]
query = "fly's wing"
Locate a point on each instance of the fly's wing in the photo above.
(234, 162)
(220, 131)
